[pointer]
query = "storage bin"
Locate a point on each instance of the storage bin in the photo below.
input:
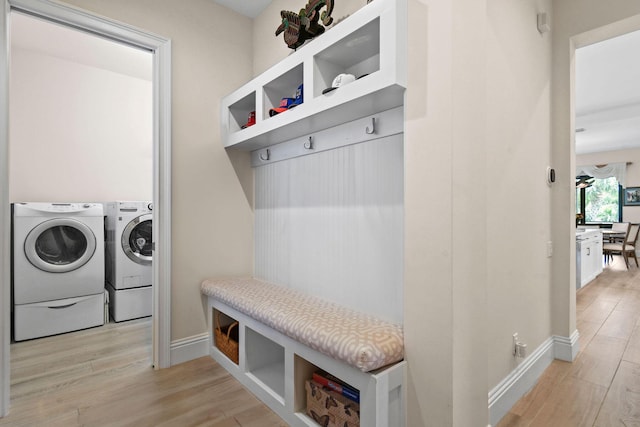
(226, 338)
(330, 409)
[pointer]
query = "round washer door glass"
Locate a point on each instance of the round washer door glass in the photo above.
(136, 240)
(60, 245)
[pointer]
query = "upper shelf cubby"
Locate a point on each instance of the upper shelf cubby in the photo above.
(370, 45)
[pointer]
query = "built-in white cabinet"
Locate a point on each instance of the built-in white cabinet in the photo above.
(588, 256)
(370, 44)
(275, 367)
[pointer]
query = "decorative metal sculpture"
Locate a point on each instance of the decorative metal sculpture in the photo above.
(303, 26)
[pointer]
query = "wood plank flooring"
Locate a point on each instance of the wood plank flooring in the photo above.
(601, 388)
(103, 377)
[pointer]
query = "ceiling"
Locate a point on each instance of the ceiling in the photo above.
(607, 103)
(250, 8)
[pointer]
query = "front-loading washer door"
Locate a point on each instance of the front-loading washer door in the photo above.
(60, 245)
(136, 239)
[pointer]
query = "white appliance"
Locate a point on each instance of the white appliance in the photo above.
(57, 268)
(129, 259)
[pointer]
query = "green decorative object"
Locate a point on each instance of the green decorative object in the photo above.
(305, 25)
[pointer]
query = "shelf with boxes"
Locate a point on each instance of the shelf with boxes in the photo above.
(365, 55)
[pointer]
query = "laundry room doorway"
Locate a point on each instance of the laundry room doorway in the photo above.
(159, 50)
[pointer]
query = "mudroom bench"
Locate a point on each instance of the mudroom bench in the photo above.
(284, 336)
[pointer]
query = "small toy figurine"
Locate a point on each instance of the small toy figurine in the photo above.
(303, 26)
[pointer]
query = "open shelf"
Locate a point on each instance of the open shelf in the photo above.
(265, 361)
(239, 112)
(368, 42)
(284, 86)
(303, 371)
(223, 342)
(357, 53)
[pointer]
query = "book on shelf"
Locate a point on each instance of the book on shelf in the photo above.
(336, 385)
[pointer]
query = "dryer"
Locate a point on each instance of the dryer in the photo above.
(57, 268)
(129, 259)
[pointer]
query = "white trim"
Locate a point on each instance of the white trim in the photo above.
(162, 202)
(5, 213)
(190, 348)
(161, 47)
(566, 348)
(503, 396)
(522, 379)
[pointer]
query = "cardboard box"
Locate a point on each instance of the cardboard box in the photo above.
(330, 409)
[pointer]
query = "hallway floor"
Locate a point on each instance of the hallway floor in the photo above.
(103, 377)
(602, 386)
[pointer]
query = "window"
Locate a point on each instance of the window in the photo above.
(598, 200)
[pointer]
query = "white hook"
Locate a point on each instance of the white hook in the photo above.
(309, 145)
(267, 157)
(373, 127)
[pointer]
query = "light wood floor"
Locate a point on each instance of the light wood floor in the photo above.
(103, 377)
(602, 386)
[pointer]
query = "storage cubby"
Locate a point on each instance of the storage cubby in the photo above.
(226, 335)
(284, 86)
(265, 361)
(358, 53)
(239, 112)
(303, 371)
(371, 41)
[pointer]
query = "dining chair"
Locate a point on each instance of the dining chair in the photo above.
(621, 227)
(626, 247)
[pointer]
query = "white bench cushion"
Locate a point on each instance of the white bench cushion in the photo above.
(358, 339)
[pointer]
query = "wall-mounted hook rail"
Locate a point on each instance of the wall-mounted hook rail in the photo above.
(373, 127)
(385, 123)
(309, 144)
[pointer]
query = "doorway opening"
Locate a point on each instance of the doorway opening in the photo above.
(161, 52)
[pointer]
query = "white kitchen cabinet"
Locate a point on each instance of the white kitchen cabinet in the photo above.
(588, 256)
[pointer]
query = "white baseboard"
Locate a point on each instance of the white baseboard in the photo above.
(190, 348)
(522, 379)
(566, 348)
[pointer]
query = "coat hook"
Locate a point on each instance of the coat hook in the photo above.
(373, 127)
(309, 144)
(266, 157)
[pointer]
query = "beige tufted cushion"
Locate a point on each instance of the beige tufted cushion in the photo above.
(356, 338)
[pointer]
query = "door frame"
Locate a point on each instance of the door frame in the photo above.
(161, 49)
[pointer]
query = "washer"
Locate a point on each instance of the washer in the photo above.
(129, 259)
(57, 268)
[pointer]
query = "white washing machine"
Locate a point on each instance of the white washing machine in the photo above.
(129, 259)
(57, 268)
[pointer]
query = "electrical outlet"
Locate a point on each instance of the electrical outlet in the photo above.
(549, 249)
(519, 348)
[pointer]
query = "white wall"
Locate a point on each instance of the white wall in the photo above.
(518, 198)
(632, 156)
(78, 133)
